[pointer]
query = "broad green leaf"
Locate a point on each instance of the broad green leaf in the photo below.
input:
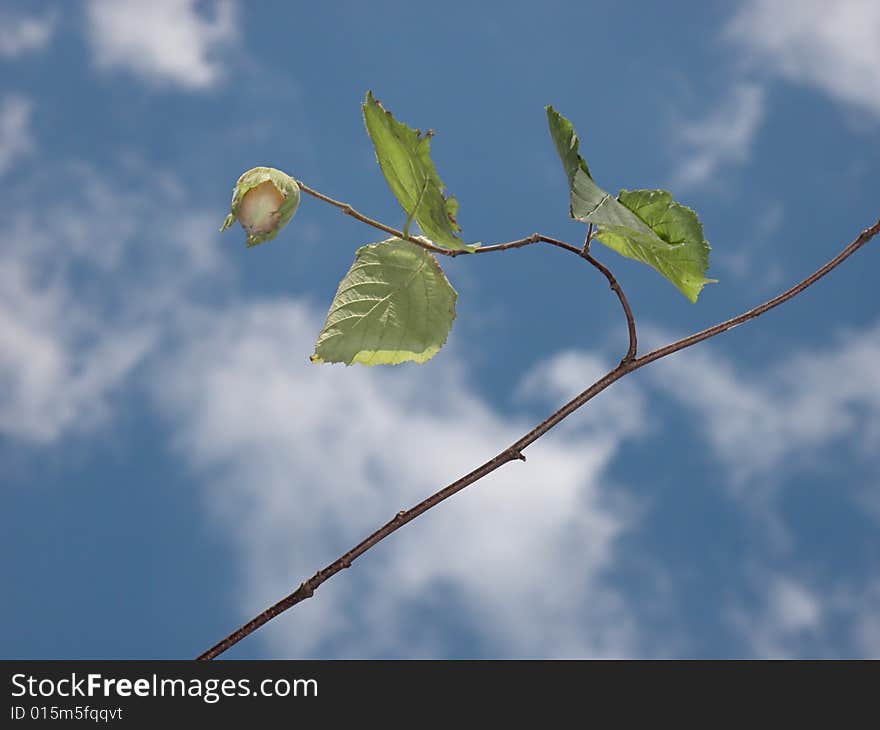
(394, 304)
(404, 156)
(645, 225)
(674, 246)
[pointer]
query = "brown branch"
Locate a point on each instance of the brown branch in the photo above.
(348, 210)
(584, 252)
(514, 452)
(616, 288)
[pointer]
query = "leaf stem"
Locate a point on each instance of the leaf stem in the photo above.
(514, 452)
(588, 239)
(412, 215)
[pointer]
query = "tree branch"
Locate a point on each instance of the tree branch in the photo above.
(514, 452)
(348, 210)
(583, 253)
(616, 288)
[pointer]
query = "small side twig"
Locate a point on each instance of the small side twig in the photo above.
(349, 211)
(584, 252)
(588, 239)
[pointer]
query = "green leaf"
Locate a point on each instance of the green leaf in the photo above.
(394, 304)
(587, 201)
(675, 245)
(404, 156)
(645, 225)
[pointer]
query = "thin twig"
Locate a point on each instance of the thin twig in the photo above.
(588, 239)
(616, 288)
(584, 252)
(348, 210)
(514, 452)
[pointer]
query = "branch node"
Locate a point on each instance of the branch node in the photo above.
(516, 454)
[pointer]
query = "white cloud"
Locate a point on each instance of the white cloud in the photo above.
(721, 139)
(793, 607)
(814, 411)
(80, 304)
(301, 461)
(866, 607)
(49, 384)
(828, 44)
(15, 137)
(561, 377)
(788, 614)
(770, 421)
(20, 34)
(797, 618)
(164, 41)
(809, 413)
(762, 422)
(748, 260)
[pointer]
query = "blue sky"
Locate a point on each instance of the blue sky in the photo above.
(172, 463)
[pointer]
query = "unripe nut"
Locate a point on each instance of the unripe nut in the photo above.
(263, 201)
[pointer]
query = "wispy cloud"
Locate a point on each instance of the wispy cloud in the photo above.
(797, 617)
(866, 606)
(21, 34)
(721, 139)
(298, 461)
(767, 427)
(51, 384)
(162, 41)
(80, 305)
(788, 616)
(782, 414)
(562, 376)
(747, 260)
(15, 135)
(828, 44)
